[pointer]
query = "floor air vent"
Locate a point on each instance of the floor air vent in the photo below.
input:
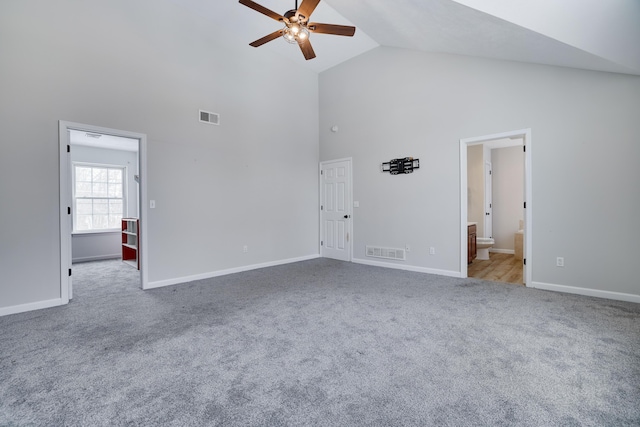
(388, 253)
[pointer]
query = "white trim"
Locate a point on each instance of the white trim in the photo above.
(405, 267)
(15, 309)
(98, 232)
(209, 275)
(587, 292)
(143, 212)
(503, 251)
(67, 200)
(525, 134)
(350, 202)
(96, 258)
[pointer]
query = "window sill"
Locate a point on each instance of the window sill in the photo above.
(91, 232)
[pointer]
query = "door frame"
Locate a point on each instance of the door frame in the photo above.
(488, 201)
(525, 134)
(66, 199)
(349, 201)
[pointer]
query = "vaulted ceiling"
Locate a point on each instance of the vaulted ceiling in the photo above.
(592, 35)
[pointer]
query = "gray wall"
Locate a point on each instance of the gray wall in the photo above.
(102, 245)
(392, 103)
(148, 66)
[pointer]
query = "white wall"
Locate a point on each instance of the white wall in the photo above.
(103, 245)
(507, 166)
(392, 103)
(148, 66)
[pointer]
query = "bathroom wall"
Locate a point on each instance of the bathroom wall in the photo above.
(475, 183)
(508, 195)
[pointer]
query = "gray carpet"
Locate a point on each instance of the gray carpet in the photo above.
(319, 342)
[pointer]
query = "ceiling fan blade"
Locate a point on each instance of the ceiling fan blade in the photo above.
(266, 38)
(306, 8)
(307, 50)
(255, 6)
(338, 30)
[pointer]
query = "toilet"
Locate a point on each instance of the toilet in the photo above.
(483, 244)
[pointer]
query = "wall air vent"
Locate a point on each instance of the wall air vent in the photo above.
(208, 117)
(388, 253)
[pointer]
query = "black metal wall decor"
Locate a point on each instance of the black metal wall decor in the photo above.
(399, 166)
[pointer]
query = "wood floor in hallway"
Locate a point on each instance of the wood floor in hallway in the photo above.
(499, 268)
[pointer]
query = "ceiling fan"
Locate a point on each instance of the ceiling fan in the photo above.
(297, 26)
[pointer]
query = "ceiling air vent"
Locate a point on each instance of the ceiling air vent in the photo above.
(208, 117)
(388, 253)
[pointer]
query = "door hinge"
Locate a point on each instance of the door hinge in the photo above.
(321, 243)
(490, 172)
(68, 148)
(524, 148)
(68, 210)
(321, 172)
(69, 272)
(525, 205)
(321, 207)
(524, 261)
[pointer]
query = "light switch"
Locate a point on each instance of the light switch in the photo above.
(152, 204)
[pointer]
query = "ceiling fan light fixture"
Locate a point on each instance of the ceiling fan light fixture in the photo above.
(295, 33)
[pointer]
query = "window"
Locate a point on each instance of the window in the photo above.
(98, 197)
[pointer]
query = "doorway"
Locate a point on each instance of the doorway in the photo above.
(336, 236)
(524, 137)
(90, 140)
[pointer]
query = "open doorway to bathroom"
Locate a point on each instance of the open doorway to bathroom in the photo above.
(495, 221)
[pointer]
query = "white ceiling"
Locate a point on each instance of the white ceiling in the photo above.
(603, 36)
(97, 140)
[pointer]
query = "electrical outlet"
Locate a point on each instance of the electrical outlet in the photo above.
(152, 204)
(432, 250)
(560, 261)
(407, 248)
(245, 249)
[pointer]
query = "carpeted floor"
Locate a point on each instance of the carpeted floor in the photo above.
(321, 343)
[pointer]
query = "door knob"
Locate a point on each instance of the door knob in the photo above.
(347, 216)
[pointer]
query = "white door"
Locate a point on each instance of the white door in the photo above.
(68, 217)
(335, 210)
(488, 204)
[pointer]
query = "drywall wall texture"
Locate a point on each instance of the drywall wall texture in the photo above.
(148, 67)
(507, 194)
(391, 103)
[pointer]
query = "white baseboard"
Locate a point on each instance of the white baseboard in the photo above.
(14, 309)
(502, 251)
(95, 258)
(407, 267)
(185, 279)
(587, 292)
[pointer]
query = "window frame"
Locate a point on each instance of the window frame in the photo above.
(125, 195)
